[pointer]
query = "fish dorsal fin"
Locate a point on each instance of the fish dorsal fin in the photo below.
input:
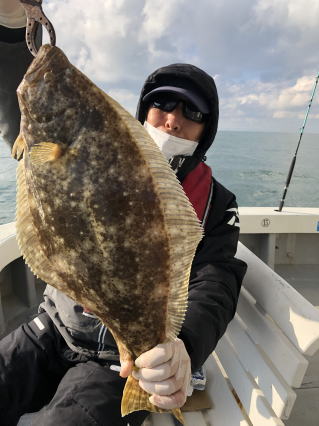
(184, 233)
(44, 152)
(181, 222)
(27, 237)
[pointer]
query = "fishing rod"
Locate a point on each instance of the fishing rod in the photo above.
(293, 162)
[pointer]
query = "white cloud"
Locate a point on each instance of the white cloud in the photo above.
(272, 96)
(159, 17)
(283, 105)
(100, 37)
(294, 12)
(263, 53)
(125, 98)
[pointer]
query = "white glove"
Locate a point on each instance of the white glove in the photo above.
(165, 372)
(12, 14)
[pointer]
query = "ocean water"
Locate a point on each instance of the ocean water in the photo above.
(253, 165)
(7, 185)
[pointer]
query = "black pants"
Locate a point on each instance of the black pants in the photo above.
(39, 374)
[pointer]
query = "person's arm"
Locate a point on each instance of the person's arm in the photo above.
(14, 61)
(215, 281)
(12, 14)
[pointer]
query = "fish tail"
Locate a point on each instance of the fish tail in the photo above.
(135, 399)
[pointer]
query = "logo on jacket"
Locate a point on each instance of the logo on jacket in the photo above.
(234, 217)
(176, 162)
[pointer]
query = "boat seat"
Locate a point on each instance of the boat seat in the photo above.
(20, 291)
(253, 374)
(8, 244)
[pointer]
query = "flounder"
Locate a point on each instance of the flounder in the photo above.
(100, 214)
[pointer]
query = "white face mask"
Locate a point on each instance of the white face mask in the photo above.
(170, 145)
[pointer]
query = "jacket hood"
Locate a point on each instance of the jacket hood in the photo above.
(200, 81)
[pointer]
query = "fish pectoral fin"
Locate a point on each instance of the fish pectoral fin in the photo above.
(44, 152)
(135, 399)
(18, 147)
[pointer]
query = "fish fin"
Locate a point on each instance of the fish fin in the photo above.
(18, 147)
(44, 152)
(27, 237)
(125, 355)
(135, 399)
(181, 223)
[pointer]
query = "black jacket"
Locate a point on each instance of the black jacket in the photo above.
(216, 278)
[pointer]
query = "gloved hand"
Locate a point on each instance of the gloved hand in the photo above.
(12, 14)
(165, 372)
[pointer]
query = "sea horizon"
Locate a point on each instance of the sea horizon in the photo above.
(253, 165)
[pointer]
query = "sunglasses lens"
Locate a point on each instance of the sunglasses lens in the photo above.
(164, 104)
(192, 114)
(168, 103)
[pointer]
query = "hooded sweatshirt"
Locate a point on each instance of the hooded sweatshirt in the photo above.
(193, 78)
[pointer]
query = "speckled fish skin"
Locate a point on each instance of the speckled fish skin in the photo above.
(99, 222)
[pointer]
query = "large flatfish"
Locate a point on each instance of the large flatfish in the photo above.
(100, 214)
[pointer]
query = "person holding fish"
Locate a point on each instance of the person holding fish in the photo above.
(66, 366)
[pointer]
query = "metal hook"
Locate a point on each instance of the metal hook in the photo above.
(36, 16)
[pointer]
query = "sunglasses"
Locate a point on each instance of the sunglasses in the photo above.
(169, 103)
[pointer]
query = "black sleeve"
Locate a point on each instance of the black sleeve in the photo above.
(215, 280)
(14, 61)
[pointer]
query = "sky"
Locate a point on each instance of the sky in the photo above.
(263, 54)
